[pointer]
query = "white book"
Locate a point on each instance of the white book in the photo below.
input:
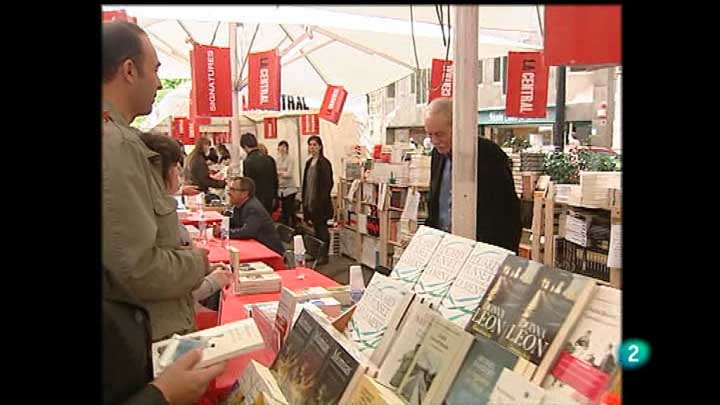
(417, 255)
(218, 343)
(378, 315)
(472, 283)
(247, 269)
(405, 343)
(440, 273)
(513, 388)
(436, 363)
(285, 313)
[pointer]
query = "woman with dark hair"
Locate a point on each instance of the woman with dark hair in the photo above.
(197, 171)
(287, 189)
(212, 156)
(171, 159)
(224, 154)
(316, 188)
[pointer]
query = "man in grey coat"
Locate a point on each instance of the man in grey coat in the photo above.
(250, 220)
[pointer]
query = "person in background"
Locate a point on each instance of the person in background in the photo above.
(140, 240)
(171, 159)
(212, 156)
(186, 189)
(498, 207)
(263, 149)
(262, 169)
(127, 374)
(287, 189)
(250, 220)
(197, 171)
(224, 154)
(316, 202)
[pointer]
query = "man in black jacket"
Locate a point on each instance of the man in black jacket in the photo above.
(127, 363)
(498, 207)
(249, 218)
(262, 169)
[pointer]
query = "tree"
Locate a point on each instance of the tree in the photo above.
(167, 86)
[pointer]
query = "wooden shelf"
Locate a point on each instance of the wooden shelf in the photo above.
(395, 209)
(392, 242)
(367, 203)
(350, 228)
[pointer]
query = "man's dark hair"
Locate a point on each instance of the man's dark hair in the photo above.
(284, 143)
(248, 140)
(246, 183)
(120, 42)
(168, 149)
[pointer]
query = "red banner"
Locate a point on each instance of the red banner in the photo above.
(441, 82)
(180, 130)
(333, 103)
(119, 15)
(211, 87)
(310, 124)
(270, 128)
(583, 35)
(264, 81)
(527, 85)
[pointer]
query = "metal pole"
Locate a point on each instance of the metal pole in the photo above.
(559, 127)
(465, 121)
(235, 119)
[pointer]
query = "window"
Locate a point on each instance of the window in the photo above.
(391, 91)
(480, 72)
(504, 74)
(496, 70)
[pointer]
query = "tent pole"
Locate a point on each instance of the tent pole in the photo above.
(173, 51)
(305, 56)
(308, 52)
(361, 47)
(465, 121)
(235, 119)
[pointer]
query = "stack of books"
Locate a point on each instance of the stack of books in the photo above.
(594, 189)
(420, 170)
(257, 283)
(532, 162)
(249, 269)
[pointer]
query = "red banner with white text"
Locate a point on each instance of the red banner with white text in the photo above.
(527, 85)
(309, 124)
(583, 35)
(270, 128)
(119, 15)
(264, 81)
(333, 103)
(441, 81)
(211, 83)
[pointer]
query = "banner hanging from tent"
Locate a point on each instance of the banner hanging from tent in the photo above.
(180, 129)
(264, 81)
(270, 128)
(583, 35)
(211, 87)
(333, 103)
(441, 82)
(527, 85)
(119, 15)
(310, 124)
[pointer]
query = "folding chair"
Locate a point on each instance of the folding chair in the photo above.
(313, 247)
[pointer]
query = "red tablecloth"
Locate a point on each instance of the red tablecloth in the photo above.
(250, 251)
(211, 217)
(233, 309)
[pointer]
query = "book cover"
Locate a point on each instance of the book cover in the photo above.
(377, 316)
(255, 379)
(507, 296)
(246, 269)
(341, 367)
(289, 354)
(440, 273)
(297, 369)
(472, 282)
(513, 388)
(479, 373)
(436, 363)
(588, 360)
(285, 313)
(537, 335)
(417, 255)
(406, 344)
(370, 392)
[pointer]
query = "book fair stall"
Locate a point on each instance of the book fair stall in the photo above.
(427, 316)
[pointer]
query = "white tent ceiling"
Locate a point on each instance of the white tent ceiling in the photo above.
(382, 29)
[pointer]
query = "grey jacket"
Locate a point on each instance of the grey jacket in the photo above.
(140, 241)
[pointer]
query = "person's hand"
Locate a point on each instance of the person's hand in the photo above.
(204, 254)
(221, 277)
(190, 190)
(181, 383)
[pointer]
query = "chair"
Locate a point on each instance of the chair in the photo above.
(313, 247)
(286, 235)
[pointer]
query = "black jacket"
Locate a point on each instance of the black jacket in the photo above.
(200, 174)
(323, 206)
(252, 221)
(498, 207)
(262, 169)
(126, 334)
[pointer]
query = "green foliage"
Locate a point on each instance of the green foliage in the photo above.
(598, 162)
(517, 144)
(167, 86)
(562, 168)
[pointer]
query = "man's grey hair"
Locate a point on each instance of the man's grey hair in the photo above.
(441, 107)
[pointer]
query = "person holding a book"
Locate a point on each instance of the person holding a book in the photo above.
(498, 207)
(140, 241)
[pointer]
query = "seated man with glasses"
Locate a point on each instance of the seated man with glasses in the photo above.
(250, 220)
